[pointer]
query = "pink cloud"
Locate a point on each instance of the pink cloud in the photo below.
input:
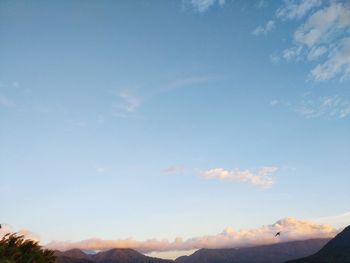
(291, 229)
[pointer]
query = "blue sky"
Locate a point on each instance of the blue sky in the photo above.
(159, 119)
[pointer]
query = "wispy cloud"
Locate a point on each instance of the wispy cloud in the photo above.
(292, 228)
(275, 58)
(174, 169)
(341, 220)
(311, 106)
(291, 53)
(127, 103)
(261, 177)
(263, 30)
(190, 81)
(262, 4)
(296, 9)
(202, 6)
(338, 62)
(328, 106)
(101, 169)
(274, 102)
(6, 102)
(322, 36)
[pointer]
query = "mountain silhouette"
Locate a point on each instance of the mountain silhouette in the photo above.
(275, 253)
(120, 255)
(335, 251)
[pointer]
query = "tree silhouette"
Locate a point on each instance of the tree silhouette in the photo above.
(16, 249)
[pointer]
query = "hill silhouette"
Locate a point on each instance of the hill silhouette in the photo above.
(275, 253)
(336, 250)
(118, 255)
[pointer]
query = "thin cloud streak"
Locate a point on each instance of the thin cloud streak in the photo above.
(191, 81)
(341, 220)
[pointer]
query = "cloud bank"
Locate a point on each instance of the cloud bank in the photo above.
(261, 177)
(291, 229)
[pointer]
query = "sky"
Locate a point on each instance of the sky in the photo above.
(160, 124)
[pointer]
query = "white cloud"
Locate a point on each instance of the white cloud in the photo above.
(203, 5)
(291, 229)
(328, 106)
(316, 52)
(321, 37)
(291, 53)
(263, 30)
(294, 9)
(261, 177)
(323, 26)
(338, 62)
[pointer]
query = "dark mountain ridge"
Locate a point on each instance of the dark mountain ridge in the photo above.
(336, 250)
(118, 255)
(275, 253)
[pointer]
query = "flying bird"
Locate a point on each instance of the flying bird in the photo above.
(278, 234)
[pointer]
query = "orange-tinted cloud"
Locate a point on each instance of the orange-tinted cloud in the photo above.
(290, 228)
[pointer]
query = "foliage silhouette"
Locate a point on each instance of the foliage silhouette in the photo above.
(15, 248)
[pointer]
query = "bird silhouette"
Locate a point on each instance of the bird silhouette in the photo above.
(278, 234)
